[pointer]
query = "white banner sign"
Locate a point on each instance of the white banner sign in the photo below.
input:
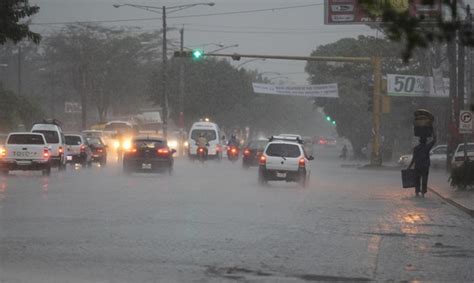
(72, 107)
(323, 90)
(417, 86)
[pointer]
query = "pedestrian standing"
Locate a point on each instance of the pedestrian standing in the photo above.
(421, 160)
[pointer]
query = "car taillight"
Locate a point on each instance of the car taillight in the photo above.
(163, 151)
(201, 149)
(246, 152)
(459, 158)
(133, 150)
(302, 163)
(61, 149)
(3, 152)
(100, 150)
(83, 148)
(233, 150)
(218, 148)
(262, 160)
(46, 153)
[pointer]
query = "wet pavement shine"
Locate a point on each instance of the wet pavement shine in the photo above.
(212, 222)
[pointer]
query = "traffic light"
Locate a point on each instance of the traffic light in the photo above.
(330, 120)
(195, 54)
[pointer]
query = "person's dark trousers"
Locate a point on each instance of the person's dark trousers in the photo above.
(421, 179)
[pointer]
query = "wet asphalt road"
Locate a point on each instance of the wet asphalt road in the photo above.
(212, 222)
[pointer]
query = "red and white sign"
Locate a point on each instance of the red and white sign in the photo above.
(353, 12)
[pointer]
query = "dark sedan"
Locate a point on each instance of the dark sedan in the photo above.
(99, 150)
(252, 152)
(148, 155)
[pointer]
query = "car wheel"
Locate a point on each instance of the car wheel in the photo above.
(89, 164)
(303, 180)
(170, 170)
(103, 161)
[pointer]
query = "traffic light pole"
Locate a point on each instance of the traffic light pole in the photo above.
(164, 95)
(376, 62)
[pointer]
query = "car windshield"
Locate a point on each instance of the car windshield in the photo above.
(25, 139)
(283, 150)
(118, 127)
(148, 143)
(210, 135)
(51, 136)
(257, 145)
(469, 148)
(73, 140)
(95, 141)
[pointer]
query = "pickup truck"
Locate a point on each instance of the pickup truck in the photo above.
(25, 151)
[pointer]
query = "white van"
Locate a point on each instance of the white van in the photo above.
(56, 141)
(211, 132)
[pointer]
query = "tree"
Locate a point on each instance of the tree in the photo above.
(422, 30)
(105, 67)
(12, 26)
(16, 110)
(350, 110)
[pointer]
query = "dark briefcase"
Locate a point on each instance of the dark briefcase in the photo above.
(408, 178)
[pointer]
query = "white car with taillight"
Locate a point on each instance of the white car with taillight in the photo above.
(211, 132)
(78, 150)
(25, 151)
(284, 159)
(51, 129)
(458, 157)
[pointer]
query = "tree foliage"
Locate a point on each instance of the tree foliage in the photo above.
(422, 30)
(12, 24)
(15, 110)
(350, 111)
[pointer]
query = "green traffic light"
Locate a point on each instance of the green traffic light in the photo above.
(333, 122)
(328, 118)
(198, 53)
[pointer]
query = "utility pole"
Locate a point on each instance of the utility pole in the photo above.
(181, 94)
(164, 96)
(19, 70)
(453, 96)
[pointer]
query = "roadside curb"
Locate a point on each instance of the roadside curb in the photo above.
(459, 206)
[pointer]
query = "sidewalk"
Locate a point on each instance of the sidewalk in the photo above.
(439, 185)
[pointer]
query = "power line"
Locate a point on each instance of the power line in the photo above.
(247, 11)
(179, 17)
(269, 32)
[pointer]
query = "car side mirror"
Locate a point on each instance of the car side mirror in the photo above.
(311, 158)
(173, 151)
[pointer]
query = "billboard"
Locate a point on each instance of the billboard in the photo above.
(339, 12)
(322, 90)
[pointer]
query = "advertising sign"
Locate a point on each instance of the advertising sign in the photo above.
(354, 12)
(322, 90)
(416, 86)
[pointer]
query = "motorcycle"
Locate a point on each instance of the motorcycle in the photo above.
(233, 153)
(202, 153)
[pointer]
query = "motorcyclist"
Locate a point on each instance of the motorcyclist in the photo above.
(233, 141)
(202, 142)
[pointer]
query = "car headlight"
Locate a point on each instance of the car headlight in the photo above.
(186, 144)
(173, 144)
(116, 144)
(127, 145)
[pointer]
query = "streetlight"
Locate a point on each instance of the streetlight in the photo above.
(156, 9)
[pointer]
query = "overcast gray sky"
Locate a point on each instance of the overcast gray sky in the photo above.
(292, 31)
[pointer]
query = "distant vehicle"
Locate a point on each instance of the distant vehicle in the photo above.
(458, 157)
(93, 133)
(148, 154)
(119, 135)
(437, 156)
(78, 150)
(51, 129)
(212, 133)
(25, 151)
(284, 160)
(326, 141)
(98, 149)
(252, 152)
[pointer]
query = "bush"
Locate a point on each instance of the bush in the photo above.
(462, 177)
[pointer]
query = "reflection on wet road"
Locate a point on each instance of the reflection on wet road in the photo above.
(213, 222)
